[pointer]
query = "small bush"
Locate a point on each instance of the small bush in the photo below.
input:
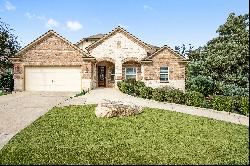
(207, 104)
(174, 95)
(83, 92)
(224, 103)
(137, 86)
(146, 92)
(158, 94)
(193, 98)
(119, 84)
(244, 106)
(7, 82)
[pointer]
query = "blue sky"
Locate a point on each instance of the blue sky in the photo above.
(156, 22)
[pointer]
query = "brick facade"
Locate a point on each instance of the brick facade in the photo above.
(176, 67)
(118, 50)
(51, 51)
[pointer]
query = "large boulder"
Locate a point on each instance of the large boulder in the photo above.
(116, 109)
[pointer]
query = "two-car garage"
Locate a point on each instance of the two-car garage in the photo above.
(52, 63)
(52, 79)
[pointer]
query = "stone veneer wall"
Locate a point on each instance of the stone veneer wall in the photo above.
(119, 48)
(52, 51)
(151, 71)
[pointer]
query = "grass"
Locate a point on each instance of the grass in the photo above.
(1, 93)
(73, 135)
(83, 92)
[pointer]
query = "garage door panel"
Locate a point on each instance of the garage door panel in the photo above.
(52, 79)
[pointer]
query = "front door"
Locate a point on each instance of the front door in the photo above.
(101, 76)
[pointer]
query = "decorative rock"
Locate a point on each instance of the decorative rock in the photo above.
(116, 109)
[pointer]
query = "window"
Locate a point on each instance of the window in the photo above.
(113, 74)
(130, 72)
(163, 74)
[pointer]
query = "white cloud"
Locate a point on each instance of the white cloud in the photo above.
(52, 23)
(29, 15)
(74, 25)
(9, 6)
(40, 18)
(34, 16)
(147, 7)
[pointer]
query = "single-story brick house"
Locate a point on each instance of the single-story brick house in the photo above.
(52, 63)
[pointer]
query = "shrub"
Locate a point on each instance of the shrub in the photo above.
(224, 103)
(174, 95)
(127, 88)
(232, 89)
(146, 92)
(202, 84)
(193, 98)
(137, 86)
(7, 82)
(207, 104)
(244, 106)
(238, 104)
(83, 92)
(158, 94)
(119, 84)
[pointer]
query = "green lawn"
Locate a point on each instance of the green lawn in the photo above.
(73, 135)
(1, 93)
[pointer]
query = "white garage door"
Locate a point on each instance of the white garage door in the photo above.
(52, 79)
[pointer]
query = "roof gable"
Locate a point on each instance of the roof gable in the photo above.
(113, 32)
(165, 47)
(46, 36)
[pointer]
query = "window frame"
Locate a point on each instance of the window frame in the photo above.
(135, 70)
(112, 74)
(164, 73)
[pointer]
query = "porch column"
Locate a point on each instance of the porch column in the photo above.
(118, 73)
(86, 75)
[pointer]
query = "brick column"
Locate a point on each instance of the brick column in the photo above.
(118, 72)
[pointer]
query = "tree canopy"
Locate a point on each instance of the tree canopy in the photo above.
(8, 44)
(222, 65)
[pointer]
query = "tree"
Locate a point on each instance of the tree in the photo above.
(184, 50)
(8, 45)
(224, 59)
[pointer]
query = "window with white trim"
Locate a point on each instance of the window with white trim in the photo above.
(130, 72)
(164, 74)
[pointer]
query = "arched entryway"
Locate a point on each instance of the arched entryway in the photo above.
(105, 74)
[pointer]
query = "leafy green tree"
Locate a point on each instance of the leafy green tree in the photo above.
(184, 49)
(224, 60)
(8, 45)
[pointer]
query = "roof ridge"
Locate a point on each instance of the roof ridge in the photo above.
(89, 37)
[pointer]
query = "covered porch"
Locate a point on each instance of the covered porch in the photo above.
(108, 72)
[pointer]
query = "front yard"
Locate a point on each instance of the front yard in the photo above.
(73, 135)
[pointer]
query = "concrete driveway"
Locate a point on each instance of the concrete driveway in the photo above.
(20, 109)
